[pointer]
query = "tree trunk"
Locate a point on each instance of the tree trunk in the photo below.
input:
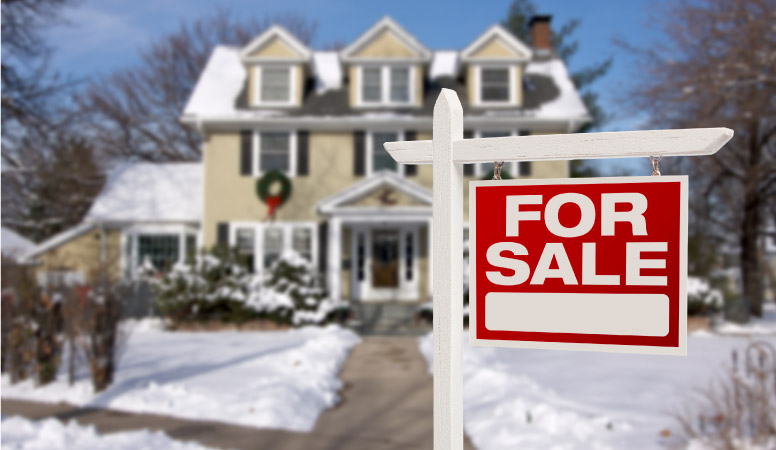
(751, 269)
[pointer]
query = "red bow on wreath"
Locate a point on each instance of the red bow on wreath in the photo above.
(273, 200)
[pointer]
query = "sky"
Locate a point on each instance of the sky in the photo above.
(98, 37)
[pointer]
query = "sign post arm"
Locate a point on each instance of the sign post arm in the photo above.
(448, 266)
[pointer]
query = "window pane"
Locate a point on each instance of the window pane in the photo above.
(191, 248)
(371, 85)
(400, 84)
(245, 239)
(381, 160)
(161, 250)
(275, 84)
(273, 245)
(494, 85)
(275, 151)
(302, 242)
(487, 167)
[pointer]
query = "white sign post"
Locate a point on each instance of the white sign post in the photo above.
(448, 151)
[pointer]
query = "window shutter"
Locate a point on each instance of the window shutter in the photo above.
(410, 170)
(524, 167)
(246, 152)
(468, 169)
(323, 240)
(359, 153)
(223, 234)
(302, 153)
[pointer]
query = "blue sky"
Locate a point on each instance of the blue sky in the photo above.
(102, 36)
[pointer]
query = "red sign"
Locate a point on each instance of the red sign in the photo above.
(579, 264)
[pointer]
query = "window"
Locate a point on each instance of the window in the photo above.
(371, 85)
(381, 160)
(191, 248)
(161, 251)
(273, 245)
(494, 85)
(302, 242)
(275, 85)
(386, 85)
(400, 84)
(274, 151)
(245, 243)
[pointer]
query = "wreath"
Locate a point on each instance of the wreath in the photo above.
(271, 195)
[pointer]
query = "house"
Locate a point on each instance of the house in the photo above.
(321, 118)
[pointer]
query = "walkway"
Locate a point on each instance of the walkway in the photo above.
(386, 404)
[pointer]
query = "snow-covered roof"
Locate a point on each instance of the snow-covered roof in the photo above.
(568, 103)
(58, 239)
(444, 64)
(327, 70)
(150, 192)
(13, 244)
(218, 86)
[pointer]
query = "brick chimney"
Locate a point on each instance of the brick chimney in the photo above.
(541, 37)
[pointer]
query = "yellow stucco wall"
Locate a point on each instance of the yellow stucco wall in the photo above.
(354, 81)
(385, 45)
(83, 254)
(419, 75)
(275, 48)
(494, 48)
(230, 196)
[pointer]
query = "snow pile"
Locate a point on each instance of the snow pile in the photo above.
(328, 71)
(539, 399)
(278, 380)
(13, 244)
(569, 103)
(444, 64)
(155, 192)
(50, 434)
(219, 85)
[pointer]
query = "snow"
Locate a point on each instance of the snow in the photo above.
(157, 192)
(219, 85)
(765, 325)
(280, 380)
(539, 399)
(13, 244)
(328, 71)
(444, 64)
(569, 103)
(51, 434)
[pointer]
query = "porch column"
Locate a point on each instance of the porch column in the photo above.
(334, 258)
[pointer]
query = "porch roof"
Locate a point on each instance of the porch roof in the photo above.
(339, 203)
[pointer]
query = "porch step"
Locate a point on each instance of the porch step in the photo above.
(390, 318)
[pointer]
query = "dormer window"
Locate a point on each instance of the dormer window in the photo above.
(495, 85)
(274, 85)
(387, 85)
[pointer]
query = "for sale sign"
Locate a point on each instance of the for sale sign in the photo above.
(579, 264)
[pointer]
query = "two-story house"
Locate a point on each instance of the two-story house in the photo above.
(321, 118)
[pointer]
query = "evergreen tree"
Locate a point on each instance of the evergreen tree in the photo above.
(565, 47)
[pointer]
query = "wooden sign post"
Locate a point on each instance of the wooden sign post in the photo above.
(448, 151)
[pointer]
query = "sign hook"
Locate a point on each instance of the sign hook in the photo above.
(655, 160)
(497, 170)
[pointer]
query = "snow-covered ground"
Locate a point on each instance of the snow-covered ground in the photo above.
(51, 434)
(541, 399)
(263, 379)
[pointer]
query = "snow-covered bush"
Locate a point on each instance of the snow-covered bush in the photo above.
(701, 298)
(294, 287)
(218, 287)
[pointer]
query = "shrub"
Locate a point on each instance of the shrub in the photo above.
(701, 298)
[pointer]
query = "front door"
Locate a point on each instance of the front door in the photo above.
(385, 258)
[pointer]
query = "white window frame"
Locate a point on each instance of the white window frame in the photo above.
(292, 82)
(292, 150)
(385, 85)
(478, 101)
(400, 168)
(287, 228)
(127, 263)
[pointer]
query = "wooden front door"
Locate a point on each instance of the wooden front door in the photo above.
(385, 259)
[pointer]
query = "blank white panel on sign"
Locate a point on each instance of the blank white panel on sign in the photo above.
(582, 313)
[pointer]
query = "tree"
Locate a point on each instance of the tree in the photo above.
(135, 112)
(517, 21)
(714, 66)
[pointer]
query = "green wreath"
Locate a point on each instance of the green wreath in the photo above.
(265, 183)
